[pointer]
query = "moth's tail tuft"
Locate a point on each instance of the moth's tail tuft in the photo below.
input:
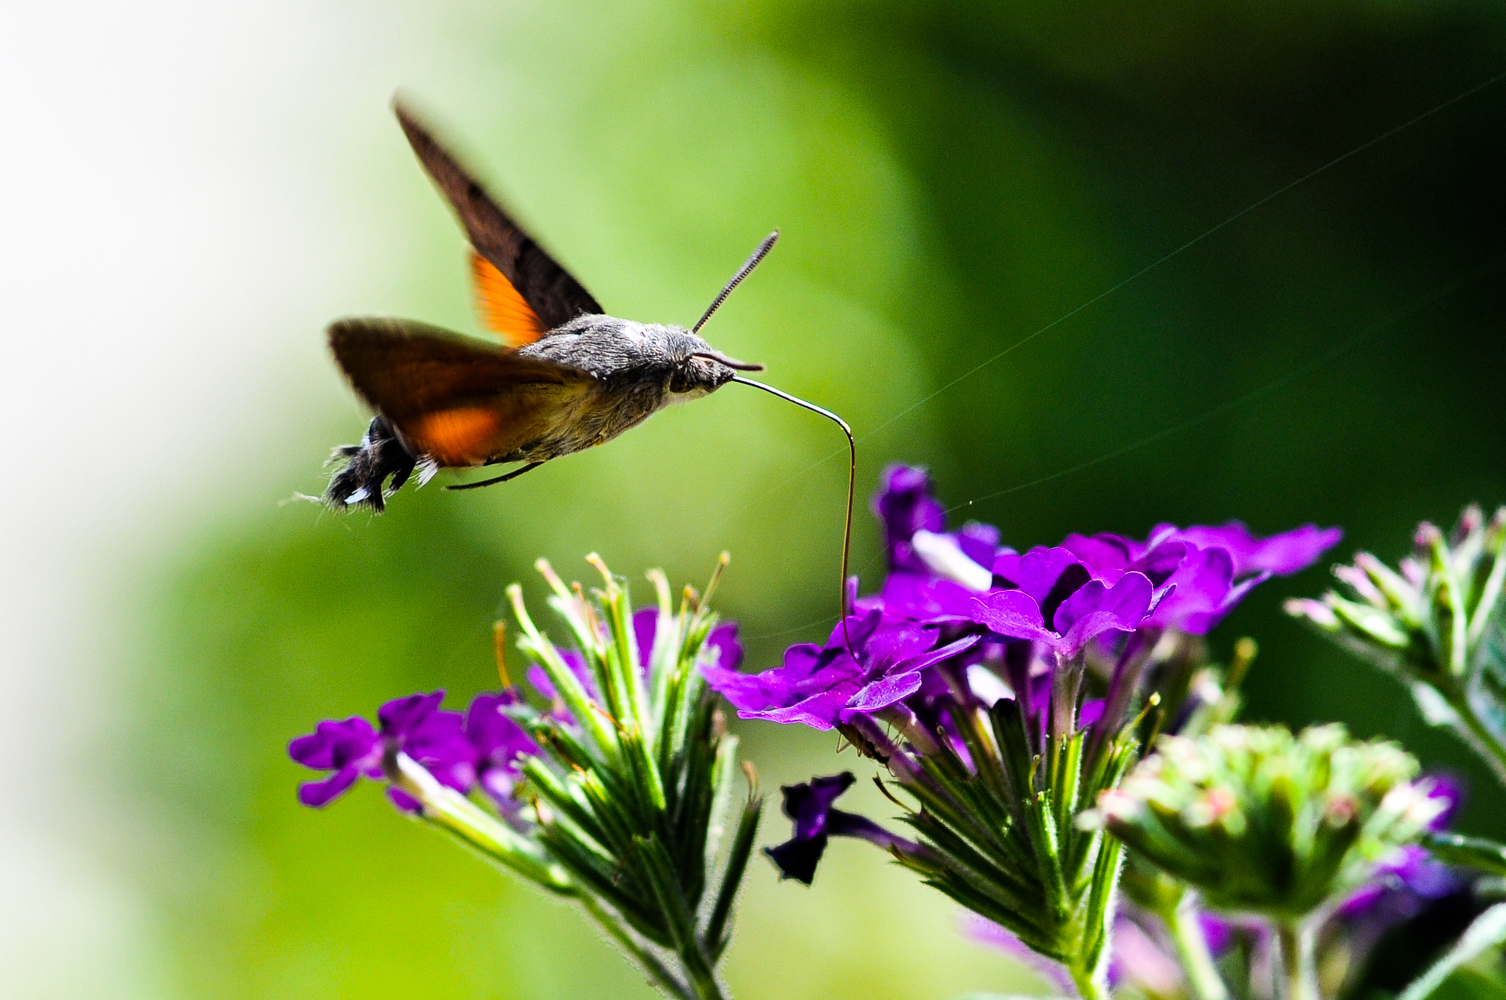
(366, 468)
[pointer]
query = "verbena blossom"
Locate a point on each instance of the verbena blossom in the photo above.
(965, 676)
(351, 748)
(461, 751)
(811, 806)
(1012, 614)
(629, 773)
(822, 686)
(497, 742)
(1198, 573)
(1406, 882)
(1050, 596)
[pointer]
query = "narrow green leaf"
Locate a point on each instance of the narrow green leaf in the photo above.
(1488, 931)
(718, 929)
(1470, 852)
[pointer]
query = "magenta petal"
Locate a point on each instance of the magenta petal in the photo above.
(820, 711)
(1104, 553)
(334, 743)
(723, 639)
(645, 626)
(904, 505)
(1279, 554)
(979, 542)
(318, 794)
(743, 691)
(1094, 609)
(926, 598)
(882, 693)
(404, 802)
(1011, 613)
(439, 734)
(400, 715)
(1036, 572)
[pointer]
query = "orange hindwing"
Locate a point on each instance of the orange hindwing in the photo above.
(500, 307)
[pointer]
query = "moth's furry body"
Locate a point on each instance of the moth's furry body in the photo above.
(639, 368)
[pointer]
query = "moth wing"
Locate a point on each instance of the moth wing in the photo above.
(499, 306)
(456, 400)
(549, 290)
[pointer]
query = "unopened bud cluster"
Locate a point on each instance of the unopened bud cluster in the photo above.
(1437, 621)
(1263, 822)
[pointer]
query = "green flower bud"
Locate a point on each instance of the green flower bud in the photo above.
(1438, 622)
(1433, 618)
(1263, 822)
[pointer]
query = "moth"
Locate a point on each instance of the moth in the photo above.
(566, 376)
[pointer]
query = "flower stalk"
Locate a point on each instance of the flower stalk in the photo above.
(1299, 973)
(1192, 950)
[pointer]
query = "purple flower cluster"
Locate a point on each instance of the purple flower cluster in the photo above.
(960, 617)
(480, 748)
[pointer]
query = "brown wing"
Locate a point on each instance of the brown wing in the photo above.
(456, 400)
(549, 289)
(500, 307)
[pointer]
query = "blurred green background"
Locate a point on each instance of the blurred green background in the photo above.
(201, 191)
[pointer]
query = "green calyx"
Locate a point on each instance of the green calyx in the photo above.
(625, 805)
(1261, 821)
(1438, 622)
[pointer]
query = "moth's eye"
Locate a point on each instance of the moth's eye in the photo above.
(679, 381)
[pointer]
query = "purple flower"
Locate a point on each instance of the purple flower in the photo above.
(1400, 887)
(351, 749)
(497, 741)
(809, 804)
(1054, 599)
(539, 680)
(1410, 885)
(1200, 573)
(1280, 555)
(905, 507)
(931, 599)
(821, 686)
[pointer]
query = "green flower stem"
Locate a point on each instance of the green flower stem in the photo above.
(1478, 735)
(1192, 949)
(657, 972)
(1299, 973)
(1089, 981)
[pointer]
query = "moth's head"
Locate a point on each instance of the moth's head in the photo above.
(699, 368)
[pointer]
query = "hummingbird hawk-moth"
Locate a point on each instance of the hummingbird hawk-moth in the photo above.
(566, 376)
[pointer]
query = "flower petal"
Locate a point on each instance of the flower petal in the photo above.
(1011, 613)
(317, 794)
(1094, 609)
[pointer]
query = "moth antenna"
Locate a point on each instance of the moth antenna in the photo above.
(742, 272)
(852, 465)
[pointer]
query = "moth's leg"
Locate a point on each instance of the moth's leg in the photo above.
(514, 474)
